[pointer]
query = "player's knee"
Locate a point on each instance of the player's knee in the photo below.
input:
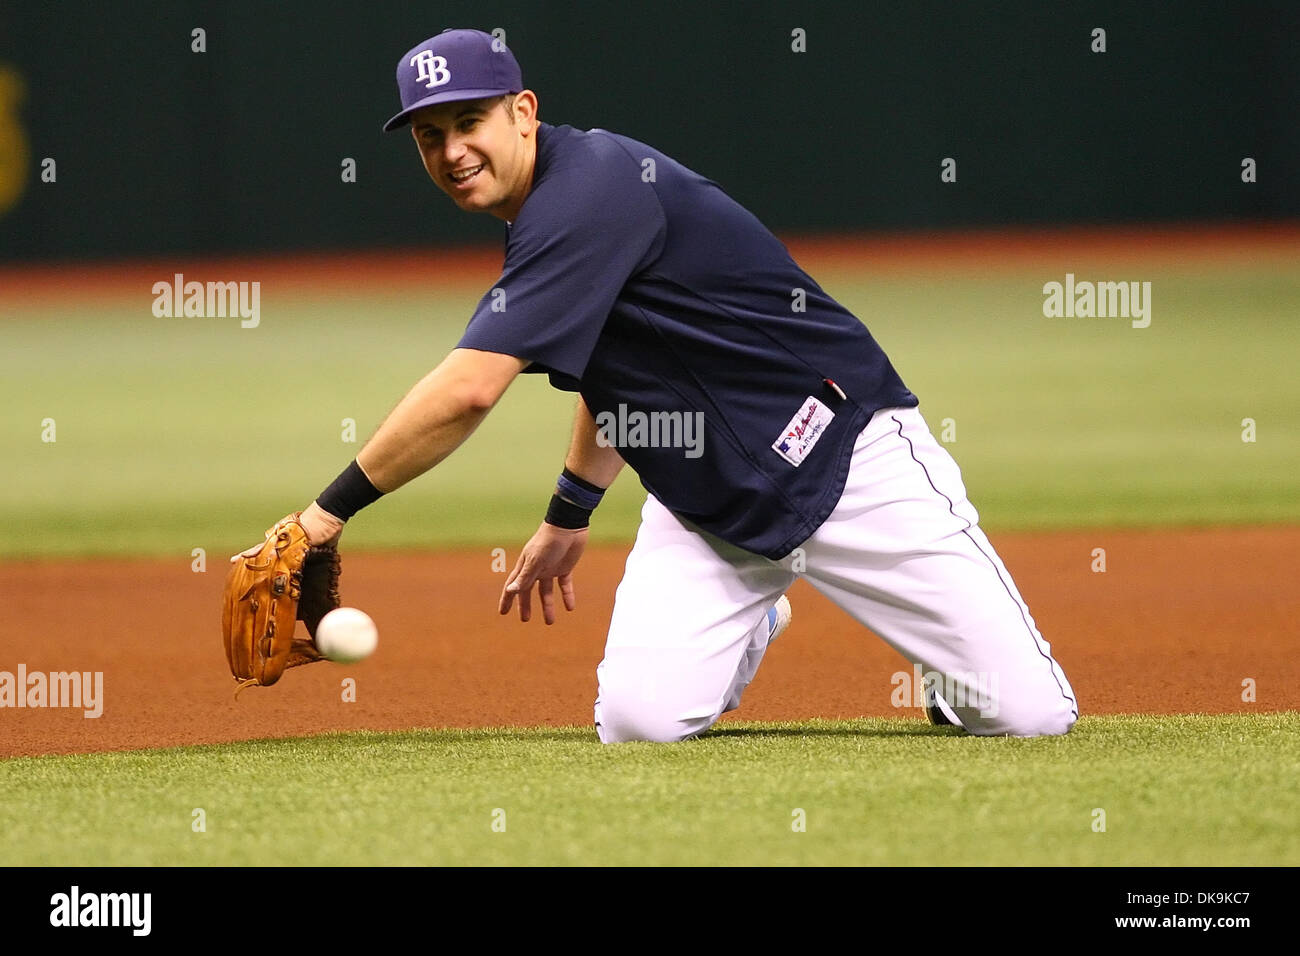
(627, 714)
(1051, 723)
(641, 699)
(1047, 719)
(620, 722)
(642, 732)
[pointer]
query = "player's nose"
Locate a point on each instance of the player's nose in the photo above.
(453, 151)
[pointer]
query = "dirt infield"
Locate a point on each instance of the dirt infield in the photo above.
(1176, 623)
(973, 251)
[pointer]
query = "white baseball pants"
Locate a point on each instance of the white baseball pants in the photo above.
(902, 553)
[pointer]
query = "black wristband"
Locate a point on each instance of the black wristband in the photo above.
(348, 493)
(565, 514)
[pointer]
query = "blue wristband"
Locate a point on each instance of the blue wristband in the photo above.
(584, 495)
(573, 502)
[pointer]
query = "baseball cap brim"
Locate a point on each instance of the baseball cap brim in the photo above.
(449, 96)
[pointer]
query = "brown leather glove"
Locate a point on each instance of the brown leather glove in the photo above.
(286, 580)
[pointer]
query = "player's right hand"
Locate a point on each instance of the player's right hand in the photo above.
(550, 555)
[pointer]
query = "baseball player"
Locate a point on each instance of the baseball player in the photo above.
(773, 436)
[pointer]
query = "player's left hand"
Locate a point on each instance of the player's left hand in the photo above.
(323, 530)
(287, 579)
(551, 554)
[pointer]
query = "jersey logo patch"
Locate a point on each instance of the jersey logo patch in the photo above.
(799, 437)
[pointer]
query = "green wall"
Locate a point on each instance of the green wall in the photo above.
(161, 150)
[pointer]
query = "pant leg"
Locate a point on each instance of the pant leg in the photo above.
(688, 631)
(903, 554)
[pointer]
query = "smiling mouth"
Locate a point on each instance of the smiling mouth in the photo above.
(463, 177)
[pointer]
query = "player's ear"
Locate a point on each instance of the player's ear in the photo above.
(525, 108)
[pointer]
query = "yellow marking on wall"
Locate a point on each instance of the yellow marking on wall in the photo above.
(14, 152)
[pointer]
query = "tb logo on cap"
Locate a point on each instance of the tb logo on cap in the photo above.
(431, 68)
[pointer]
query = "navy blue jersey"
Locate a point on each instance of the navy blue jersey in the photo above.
(727, 379)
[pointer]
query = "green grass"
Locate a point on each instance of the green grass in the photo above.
(181, 433)
(1074, 422)
(1191, 790)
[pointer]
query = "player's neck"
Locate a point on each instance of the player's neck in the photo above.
(509, 212)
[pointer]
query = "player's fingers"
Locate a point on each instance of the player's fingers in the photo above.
(545, 589)
(525, 573)
(513, 578)
(525, 605)
(567, 592)
(506, 600)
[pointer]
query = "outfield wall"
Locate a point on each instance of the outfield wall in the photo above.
(160, 149)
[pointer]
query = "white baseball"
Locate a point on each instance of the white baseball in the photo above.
(347, 635)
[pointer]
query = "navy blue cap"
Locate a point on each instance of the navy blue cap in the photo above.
(454, 65)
